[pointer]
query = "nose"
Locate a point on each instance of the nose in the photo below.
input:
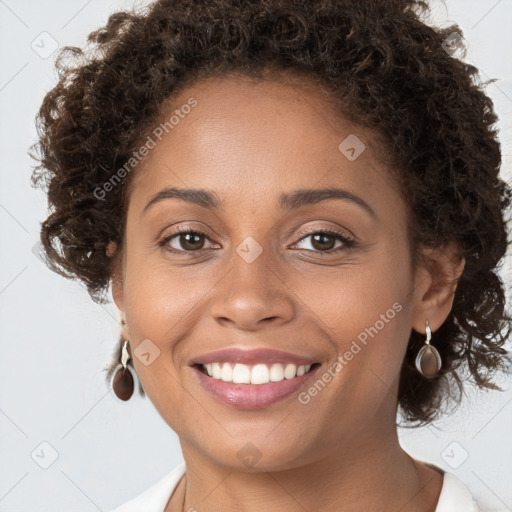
(252, 295)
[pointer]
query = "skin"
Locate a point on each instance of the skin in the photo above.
(249, 141)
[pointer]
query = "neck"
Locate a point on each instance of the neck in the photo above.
(371, 472)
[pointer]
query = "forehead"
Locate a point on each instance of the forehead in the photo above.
(256, 135)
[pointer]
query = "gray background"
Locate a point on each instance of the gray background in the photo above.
(55, 340)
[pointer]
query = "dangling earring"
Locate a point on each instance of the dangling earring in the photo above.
(123, 380)
(428, 360)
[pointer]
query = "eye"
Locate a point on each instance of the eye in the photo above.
(184, 239)
(325, 241)
(187, 240)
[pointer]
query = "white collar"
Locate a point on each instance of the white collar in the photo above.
(455, 496)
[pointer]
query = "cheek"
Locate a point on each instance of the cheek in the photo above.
(160, 296)
(365, 313)
(162, 305)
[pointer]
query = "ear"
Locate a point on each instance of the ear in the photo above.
(116, 275)
(435, 281)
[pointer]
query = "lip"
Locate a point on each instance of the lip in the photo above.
(251, 356)
(252, 396)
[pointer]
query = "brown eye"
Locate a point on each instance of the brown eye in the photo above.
(326, 241)
(184, 240)
(323, 241)
(190, 241)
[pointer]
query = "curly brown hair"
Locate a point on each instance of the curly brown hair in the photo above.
(385, 68)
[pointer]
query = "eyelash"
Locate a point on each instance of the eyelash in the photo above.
(347, 242)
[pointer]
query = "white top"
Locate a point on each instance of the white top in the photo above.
(454, 497)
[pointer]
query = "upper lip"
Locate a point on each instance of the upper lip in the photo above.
(251, 356)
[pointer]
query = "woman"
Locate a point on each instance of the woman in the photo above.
(299, 209)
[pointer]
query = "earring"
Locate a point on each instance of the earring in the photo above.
(428, 360)
(123, 380)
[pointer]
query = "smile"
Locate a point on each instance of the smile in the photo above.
(258, 374)
(252, 379)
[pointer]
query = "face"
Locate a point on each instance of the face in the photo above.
(266, 271)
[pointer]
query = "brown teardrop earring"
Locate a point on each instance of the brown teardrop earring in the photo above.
(123, 379)
(428, 360)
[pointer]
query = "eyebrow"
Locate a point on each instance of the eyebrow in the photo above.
(201, 197)
(300, 198)
(287, 201)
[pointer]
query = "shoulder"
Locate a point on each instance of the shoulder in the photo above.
(156, 497)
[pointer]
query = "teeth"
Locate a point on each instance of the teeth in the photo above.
(276, 372)
(217, 370)
(290, 371)
(241, 374)
(226, 373)
(257, 374)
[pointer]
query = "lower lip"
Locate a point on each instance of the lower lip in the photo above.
(252, 396)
